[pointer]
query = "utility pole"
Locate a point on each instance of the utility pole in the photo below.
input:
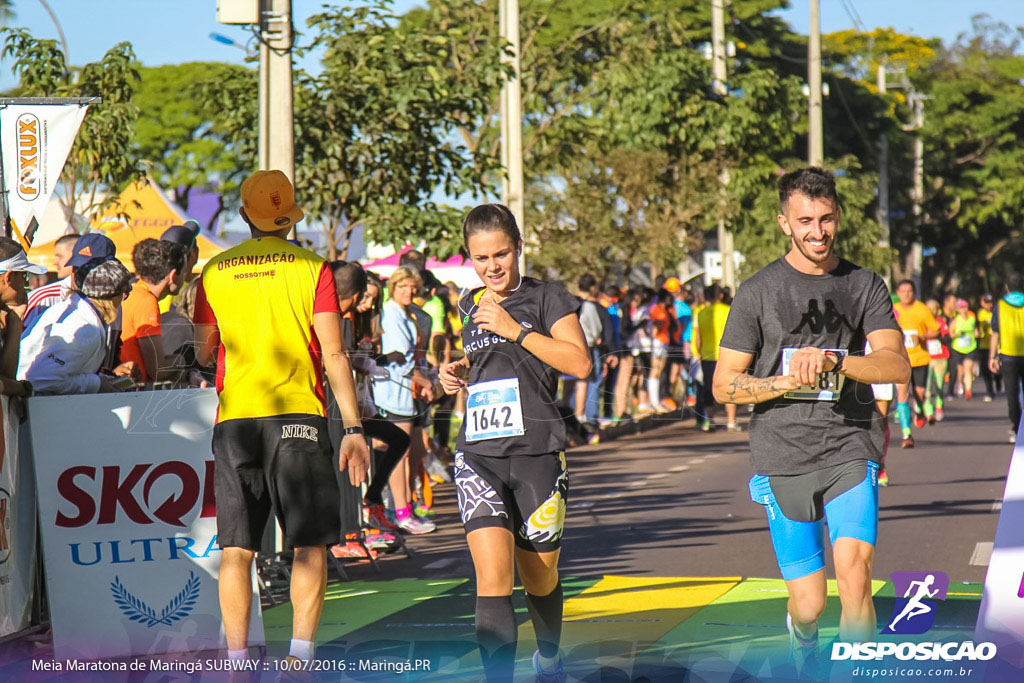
(915, 257)
(280, 129)
(512, 123)
(718, 72)
(882, 216)
(815, 136)
(263, 147)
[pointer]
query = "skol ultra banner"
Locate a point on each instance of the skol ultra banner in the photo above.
(129, 529)
(35, 140)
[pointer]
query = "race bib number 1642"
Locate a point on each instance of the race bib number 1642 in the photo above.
(494, 410)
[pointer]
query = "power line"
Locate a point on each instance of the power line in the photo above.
(851, 11)
(849, 113)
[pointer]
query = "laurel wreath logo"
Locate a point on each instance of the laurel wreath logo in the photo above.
(180, 606)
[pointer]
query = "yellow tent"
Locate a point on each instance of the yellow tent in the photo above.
(150, 213)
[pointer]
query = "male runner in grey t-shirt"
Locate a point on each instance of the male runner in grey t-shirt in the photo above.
(798, 326)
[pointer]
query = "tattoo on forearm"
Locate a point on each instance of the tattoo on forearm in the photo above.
(745, 386)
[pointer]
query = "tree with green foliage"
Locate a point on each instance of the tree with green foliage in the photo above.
(375, 130)
(175, 137)
(665, 142)
(101, 162)
(973, 159)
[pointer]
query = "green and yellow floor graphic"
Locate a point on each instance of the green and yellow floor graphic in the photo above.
(615, 628)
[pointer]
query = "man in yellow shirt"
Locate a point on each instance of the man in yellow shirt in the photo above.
(268, 311)
(1006, 352)
(707, 335)
(919, 326)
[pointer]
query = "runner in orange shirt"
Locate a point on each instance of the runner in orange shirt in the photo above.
(918, 326)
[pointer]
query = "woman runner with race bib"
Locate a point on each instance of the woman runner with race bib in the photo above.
(519, 335)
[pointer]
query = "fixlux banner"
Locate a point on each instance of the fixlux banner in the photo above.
(35, 140)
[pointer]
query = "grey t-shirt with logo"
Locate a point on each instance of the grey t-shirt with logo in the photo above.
(780, 309)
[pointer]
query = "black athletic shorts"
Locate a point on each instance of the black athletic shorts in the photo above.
(675, 355)
(424, 418)
(395, 417)
(919, 377)
(525, 494)
(283, 462)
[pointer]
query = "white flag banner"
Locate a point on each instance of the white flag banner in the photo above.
(35, 140)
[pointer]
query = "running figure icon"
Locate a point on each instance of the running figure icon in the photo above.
(915, 606)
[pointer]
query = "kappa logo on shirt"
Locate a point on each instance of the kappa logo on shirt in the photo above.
(299, 432)
(830, 320)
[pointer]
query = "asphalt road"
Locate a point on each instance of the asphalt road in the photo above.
(673, 501)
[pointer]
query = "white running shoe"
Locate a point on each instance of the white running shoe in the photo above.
(545, 676)
(438, 472)
(1013, 436)
(416, 525)
(802, 651)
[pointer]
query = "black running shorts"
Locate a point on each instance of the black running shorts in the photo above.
(919, 377)
(285, 462)
(525, 494)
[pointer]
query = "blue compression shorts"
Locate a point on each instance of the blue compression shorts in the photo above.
(845, 497)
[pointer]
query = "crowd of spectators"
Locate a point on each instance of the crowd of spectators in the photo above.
(102, 327)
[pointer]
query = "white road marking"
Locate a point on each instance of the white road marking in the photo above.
(982, 554)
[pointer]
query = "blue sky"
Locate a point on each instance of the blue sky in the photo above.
(175, 31)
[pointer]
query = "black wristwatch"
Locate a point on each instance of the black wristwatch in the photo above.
(522, 335)
(353, 430)
(26, 387)
(840, 357)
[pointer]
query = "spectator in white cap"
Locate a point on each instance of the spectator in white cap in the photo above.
(14, 269)
(63, 353)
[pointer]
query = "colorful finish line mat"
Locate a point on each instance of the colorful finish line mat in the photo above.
(621, 628)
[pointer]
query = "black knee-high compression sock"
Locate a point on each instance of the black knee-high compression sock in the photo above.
(496, 633)
(546, 614)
